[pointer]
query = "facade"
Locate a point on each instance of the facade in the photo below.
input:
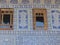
(29, 22)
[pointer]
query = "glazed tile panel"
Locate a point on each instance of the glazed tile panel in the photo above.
(55, 19)
(23, 19)
(23, 33)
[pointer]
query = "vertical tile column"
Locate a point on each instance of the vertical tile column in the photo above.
(22, 19)
(15, 19)
(30, 20)
(55, 13)
(49, 19)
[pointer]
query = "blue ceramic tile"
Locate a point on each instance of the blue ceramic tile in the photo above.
(59, 20)
(58, 27)
(59, 16)
(53, 11)
(25, 19)
(53, 18)
(54, 27)
(53, 21)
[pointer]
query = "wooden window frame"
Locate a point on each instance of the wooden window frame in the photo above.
(40, 10)
(6, 11)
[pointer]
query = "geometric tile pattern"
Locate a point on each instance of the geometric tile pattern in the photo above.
(23, 19)
(55, 19)
(34, 37)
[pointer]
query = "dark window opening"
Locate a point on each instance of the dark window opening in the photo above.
(39, 20)
(6, 19)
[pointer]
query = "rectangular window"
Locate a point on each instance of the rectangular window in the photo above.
(39, 19)
(6, 18)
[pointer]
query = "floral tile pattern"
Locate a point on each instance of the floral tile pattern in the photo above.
(23, 19)
(55, 19)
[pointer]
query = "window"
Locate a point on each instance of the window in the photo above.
(6, 19)
(39, 19)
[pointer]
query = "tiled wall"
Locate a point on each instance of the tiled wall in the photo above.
(23, 33)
